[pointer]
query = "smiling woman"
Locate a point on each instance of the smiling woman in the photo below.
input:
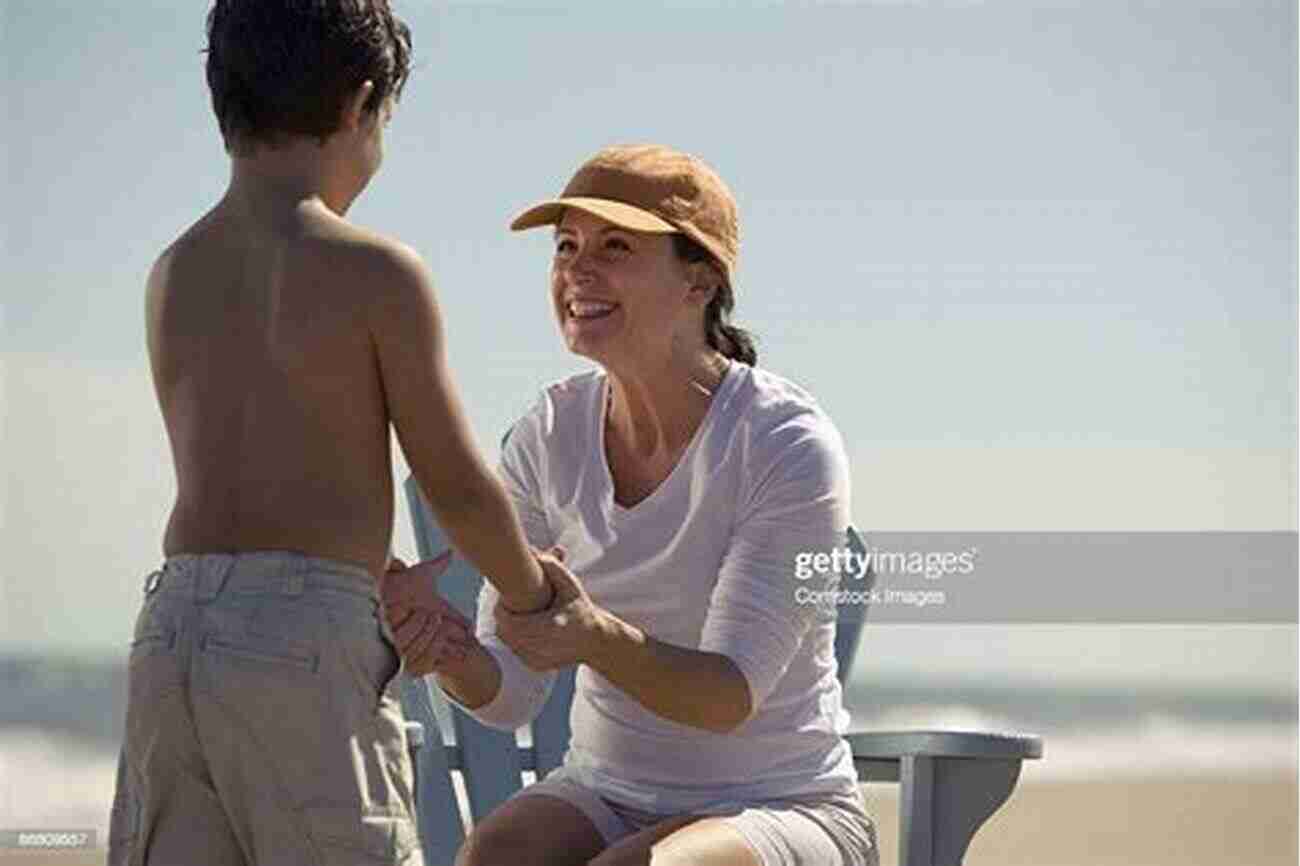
(675, 487)
(625, 262)
(612, 246)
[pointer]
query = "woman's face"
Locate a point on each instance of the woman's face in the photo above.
(619, 295)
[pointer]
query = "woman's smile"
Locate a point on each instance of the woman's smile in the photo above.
(587, 310)
(584, 318)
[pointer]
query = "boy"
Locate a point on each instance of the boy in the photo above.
(283, 340)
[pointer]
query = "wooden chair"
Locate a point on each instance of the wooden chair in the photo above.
(952, 781)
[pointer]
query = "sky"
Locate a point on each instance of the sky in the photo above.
(1037, 261)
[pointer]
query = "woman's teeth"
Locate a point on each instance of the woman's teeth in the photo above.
(589, 309)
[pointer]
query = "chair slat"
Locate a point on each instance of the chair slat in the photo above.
(490, 764)
(439, 821)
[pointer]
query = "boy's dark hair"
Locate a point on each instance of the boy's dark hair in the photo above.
(278, 67)
(722, 336)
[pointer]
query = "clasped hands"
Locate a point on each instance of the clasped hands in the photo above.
(433, 637)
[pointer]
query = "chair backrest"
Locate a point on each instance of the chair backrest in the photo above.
(492, 762)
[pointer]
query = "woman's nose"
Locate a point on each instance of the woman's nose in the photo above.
(578, 269)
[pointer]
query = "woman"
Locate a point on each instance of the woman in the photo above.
(680, 483)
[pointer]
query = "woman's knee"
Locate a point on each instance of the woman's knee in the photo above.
(682, 841)
(491, 843)
(620, 857)
(534, 830)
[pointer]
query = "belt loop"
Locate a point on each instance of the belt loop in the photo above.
(293, 579)
(208, 582)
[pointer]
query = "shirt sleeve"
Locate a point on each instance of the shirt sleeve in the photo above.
(521, 474)
(798, 507)
(523, 691)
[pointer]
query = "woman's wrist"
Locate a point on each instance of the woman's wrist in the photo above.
(610, 640)
(474, 680)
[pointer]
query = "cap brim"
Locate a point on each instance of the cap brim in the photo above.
(625, 215)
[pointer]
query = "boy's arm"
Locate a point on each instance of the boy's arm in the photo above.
(425, 408)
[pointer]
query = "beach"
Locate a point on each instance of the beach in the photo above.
(1199, 821)
(1173, 778)
(1244, 821)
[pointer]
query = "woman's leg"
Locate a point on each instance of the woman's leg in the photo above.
(688, 840)
(534, 829)
(831, 833)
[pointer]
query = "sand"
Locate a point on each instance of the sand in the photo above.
(1164, 822)
(1192, 822)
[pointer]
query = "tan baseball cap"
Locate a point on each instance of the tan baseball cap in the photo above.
(650, 188)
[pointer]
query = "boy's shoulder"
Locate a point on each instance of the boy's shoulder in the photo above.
(363, 247)
(322, 237)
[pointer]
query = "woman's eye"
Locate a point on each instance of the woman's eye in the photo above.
(564, 246)
(617, 244)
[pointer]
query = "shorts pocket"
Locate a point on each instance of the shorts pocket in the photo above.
(153, 633)
(387, 825)
(343, 839)
(372, 657)
(263, 651)
(375, 820)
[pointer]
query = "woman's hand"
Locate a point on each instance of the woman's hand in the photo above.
(431, 635)
(564, 634)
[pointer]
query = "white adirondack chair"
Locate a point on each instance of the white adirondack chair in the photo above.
(952, 781)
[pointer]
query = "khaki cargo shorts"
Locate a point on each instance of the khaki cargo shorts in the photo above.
(262, 724)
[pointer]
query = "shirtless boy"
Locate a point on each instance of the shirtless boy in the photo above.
(283, 340)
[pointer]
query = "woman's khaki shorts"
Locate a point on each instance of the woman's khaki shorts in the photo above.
(830, 831)
(260, 724)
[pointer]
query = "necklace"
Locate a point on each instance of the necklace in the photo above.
(703, 389)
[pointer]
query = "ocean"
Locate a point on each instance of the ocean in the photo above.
(61, 723)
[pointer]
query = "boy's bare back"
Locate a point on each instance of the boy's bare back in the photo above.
(284, 340)
(270, 386)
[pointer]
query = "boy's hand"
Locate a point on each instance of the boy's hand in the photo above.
(429, 632)
(413, 586)
(432, 643)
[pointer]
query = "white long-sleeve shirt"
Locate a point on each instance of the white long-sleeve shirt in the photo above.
(706, 561)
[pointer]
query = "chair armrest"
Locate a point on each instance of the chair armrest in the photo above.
(951, 782)
(892, 745)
